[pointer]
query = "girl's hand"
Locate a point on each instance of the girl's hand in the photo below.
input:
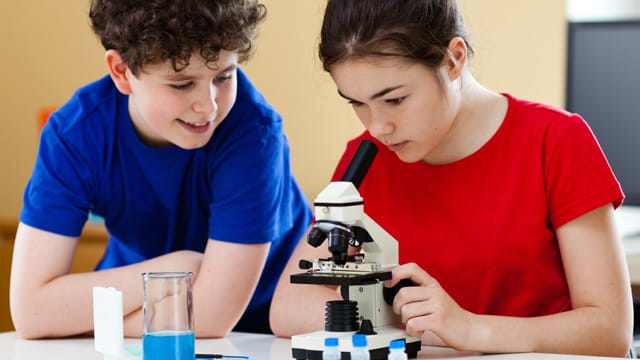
(426, 308)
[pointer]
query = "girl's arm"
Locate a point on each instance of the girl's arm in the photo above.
(600, 322)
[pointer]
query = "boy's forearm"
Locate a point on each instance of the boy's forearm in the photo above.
(226, 282)
(64, 305)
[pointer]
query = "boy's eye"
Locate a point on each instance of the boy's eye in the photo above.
(223, 78)
(181, 86)
(354, 103)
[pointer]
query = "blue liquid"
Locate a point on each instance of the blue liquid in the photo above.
(169, 345)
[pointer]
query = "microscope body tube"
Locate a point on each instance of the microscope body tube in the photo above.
(360, 163)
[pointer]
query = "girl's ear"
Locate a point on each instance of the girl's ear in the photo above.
(457, 57)
(118, 71)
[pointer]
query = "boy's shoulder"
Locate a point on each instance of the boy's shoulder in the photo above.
(96, 91)
(252, 100)
(87, 99)
(90, 114)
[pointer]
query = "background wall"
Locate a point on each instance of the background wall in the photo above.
(596, 10)
(48, 50)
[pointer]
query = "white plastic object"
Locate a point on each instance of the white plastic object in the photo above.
(396, 350)
(360, 350)
(331, 351)
(108, 324)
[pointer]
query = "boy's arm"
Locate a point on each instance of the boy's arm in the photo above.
(300, 308)
(225, 284)
(221, 290)
(48, 301)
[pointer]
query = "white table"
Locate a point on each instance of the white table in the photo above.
(256, 346)
(260, 347)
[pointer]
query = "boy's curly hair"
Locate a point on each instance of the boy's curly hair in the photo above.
(153, 31)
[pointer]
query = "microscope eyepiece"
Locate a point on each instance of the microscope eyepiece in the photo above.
(360, 163)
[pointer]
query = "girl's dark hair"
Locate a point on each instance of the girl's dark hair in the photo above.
(153, 31)
(416, 29)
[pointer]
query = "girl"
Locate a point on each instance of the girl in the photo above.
(503, 208)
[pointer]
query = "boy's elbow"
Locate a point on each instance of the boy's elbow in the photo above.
(28, 334)
(25, 325)
(278, 328)
(278, 318)
(29, 321)
(214, 331)
(284, 322)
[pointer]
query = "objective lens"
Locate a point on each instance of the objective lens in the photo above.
(338, 245)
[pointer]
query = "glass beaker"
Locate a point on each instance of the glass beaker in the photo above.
(167, 311)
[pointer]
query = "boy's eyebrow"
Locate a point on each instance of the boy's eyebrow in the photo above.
(228, 68)
(181, 76)
(380, 93)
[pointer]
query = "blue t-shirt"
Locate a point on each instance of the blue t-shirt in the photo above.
(237, 188)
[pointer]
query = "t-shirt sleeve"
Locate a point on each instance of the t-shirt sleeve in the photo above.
(56, 198)
(578, 175)
(254, 196)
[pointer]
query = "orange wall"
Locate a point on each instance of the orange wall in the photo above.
(49, 50)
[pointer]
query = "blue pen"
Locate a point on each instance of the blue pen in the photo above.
(220, 356)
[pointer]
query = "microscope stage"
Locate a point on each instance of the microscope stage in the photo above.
(340, 278)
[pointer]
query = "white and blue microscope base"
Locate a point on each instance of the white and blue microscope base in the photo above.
(310, 346)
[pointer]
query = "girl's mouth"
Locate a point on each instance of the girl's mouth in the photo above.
(397, 146)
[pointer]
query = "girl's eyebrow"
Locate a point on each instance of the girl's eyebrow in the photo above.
(380, 93)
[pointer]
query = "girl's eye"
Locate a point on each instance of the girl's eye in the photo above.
(396, 101)
(181, 86)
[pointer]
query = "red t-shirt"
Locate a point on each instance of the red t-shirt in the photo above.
(484, 226)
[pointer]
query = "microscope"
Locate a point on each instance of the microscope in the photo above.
(366, 305)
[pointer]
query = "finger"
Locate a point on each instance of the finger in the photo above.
(418, 325)
(416, 301)
(399, 273)
(412, 272)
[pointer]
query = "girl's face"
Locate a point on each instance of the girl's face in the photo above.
(401, 103)
(182, 108)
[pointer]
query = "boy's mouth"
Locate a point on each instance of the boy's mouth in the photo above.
(196, 124)
(197, 127)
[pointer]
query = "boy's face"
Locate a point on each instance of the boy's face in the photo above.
(182, 108)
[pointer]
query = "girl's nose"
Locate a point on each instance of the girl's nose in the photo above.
(379, 125)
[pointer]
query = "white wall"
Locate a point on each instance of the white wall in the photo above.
(603, 10)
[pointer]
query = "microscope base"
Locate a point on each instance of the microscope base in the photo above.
(310, 346)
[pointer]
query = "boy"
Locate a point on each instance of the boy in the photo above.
(183, 159)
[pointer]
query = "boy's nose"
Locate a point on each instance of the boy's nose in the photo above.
(206, 103)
